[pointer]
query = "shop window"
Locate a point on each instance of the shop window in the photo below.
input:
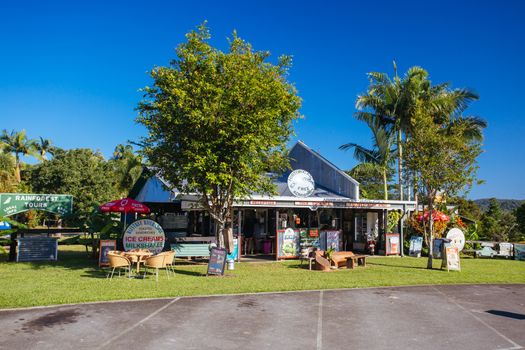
(361, 227)
(328, 219)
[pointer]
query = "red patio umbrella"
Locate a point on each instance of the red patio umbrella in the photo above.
(126, 205)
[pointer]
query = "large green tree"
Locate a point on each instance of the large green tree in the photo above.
(443, 161)
(79, 172)
(218, 121)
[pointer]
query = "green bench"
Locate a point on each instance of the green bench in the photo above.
(191, 249)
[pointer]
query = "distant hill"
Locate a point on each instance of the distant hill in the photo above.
(506, 204)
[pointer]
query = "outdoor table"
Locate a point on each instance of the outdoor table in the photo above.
(139, 257)
(356, 259)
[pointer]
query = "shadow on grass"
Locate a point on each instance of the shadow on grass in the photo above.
(299, 266)
(401, 266)
(189, 273)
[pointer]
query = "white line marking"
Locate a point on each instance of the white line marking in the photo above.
(514, 344)
(136, 324)
(320, 323)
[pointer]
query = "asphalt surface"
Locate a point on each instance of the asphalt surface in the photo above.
(425, 317)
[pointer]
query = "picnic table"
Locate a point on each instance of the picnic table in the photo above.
(352, 261)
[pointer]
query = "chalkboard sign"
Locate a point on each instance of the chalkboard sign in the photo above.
(37, 249)
(451, 258)
(217, 261)
(106, 245)
(416, 244)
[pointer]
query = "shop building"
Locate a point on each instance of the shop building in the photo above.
(317, 204)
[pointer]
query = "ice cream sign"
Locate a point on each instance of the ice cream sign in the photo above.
(144, 234)
(301, 183)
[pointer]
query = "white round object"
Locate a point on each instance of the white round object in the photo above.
(457, 238)
(144, 234)
(301, 183)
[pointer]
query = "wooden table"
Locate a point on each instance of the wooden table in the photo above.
(138, 257)
(355, 260)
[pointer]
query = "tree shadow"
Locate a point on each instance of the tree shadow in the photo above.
(372, 263)
(506, 314)
(189, 273)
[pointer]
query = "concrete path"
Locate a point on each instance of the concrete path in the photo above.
(426, 317)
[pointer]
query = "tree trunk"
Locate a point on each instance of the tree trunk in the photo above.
(431, 234)
(219, 227)
(17, 170)
(400, 164)
(385, 184)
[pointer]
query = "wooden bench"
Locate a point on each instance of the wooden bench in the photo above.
(339, 258)
(191, 249)
(352, 261)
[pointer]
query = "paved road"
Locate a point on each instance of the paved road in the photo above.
(426, 317)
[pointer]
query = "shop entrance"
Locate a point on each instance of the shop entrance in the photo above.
(258, 232)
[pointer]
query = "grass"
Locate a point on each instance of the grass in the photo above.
(76, 278)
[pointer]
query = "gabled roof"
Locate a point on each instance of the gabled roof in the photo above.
(326, 161)
(330, 181)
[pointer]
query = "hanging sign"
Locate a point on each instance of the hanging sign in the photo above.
(301, 183)
(106, 245)
(313, 232)
(451, 258)
(14, 203)
(416, 244)
(217, 261)
(144, 234)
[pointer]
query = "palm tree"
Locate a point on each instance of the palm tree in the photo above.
(381, 157)
(44, 147)
(19, 144)
(394, 103)
(127, 167)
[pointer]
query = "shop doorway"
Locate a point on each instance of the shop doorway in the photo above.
(258, 234)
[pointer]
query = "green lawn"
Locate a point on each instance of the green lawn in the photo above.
(75, 278)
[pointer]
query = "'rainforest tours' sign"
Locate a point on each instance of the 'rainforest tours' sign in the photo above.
(14, 203)
(144, 234)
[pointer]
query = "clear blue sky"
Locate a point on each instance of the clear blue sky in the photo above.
(70, 71)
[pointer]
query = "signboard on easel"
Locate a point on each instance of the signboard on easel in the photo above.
(217, 261)
(451, 259)
(106, 245)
